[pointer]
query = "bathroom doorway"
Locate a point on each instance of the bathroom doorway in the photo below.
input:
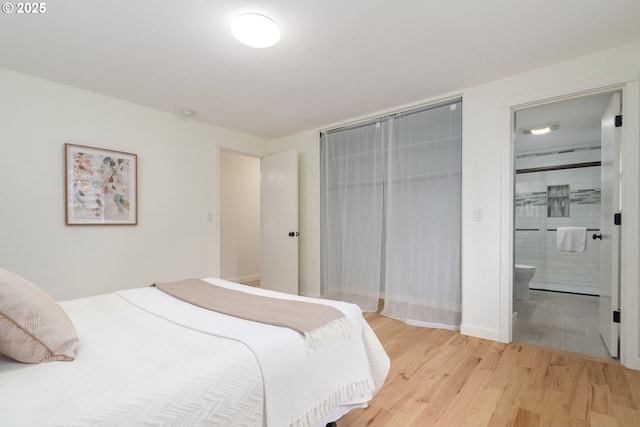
(559, 183)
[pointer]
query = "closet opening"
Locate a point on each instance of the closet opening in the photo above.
(390, 200)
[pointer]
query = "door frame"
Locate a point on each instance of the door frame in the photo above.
(628, 84)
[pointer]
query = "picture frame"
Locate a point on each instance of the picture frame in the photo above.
(101, 186)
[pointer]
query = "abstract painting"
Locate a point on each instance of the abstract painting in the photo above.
(101, 186)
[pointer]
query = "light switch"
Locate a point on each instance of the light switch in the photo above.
(477, 214)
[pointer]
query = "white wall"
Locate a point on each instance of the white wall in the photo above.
(177, 161)
(176, 158)
(486, 167)
(239, 217)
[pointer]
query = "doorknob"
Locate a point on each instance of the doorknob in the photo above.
(293, 233)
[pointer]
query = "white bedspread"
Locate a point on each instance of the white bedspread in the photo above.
(301, 389)
(174, 364)
(134, 369)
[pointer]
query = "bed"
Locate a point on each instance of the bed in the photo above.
(145, 357)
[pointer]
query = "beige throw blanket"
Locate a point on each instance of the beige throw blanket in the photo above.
(319, 323)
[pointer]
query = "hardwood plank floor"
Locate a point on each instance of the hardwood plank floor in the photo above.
(253, 283)
(442, 378)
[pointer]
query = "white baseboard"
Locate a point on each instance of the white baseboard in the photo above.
(474, 331)
(245, 279)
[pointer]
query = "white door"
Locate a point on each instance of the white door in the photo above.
(279, 222)
(610, 243)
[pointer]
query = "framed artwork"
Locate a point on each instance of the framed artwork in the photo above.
(101, 186)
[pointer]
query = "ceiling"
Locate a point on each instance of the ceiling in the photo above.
(580, 122)
(336, 59)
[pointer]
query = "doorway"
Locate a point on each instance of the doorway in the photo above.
(257, 228)
(239, 217)
(559, 183)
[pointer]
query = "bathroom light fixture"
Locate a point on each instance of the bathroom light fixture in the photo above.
(255, 30)
(541, 130)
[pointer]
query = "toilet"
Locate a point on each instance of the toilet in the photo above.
(523, 275)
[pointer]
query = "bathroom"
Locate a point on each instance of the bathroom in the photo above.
(557, 185)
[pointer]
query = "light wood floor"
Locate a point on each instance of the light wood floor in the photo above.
(254, 283)
(442, 378)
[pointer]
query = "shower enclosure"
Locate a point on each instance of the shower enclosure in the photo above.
(558, 189)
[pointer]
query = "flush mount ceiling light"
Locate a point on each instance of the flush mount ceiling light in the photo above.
(255, 30)
(541, 130)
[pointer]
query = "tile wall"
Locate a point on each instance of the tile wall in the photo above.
(535, 244)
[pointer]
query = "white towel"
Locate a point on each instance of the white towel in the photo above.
(572, 239)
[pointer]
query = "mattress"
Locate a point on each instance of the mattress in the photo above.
(146, 358)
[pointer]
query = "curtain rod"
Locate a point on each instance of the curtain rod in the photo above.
(407, 112)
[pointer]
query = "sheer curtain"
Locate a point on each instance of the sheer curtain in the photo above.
(390, 214)
(423, 218)
(353, 165)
